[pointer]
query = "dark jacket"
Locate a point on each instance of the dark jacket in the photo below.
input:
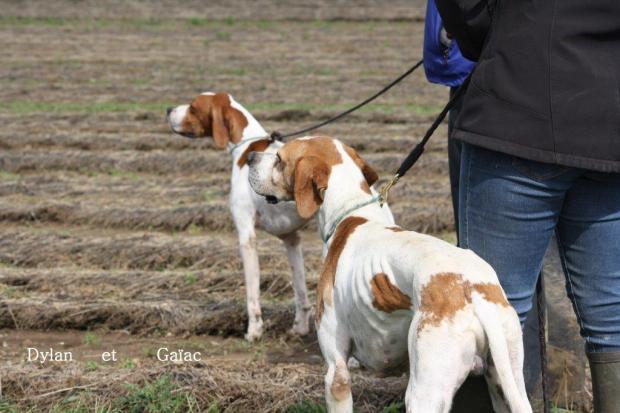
(547, 83)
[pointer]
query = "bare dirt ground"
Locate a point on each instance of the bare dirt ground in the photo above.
(115, 234)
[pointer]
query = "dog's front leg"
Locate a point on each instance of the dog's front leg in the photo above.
(302, 305)
(249, 256)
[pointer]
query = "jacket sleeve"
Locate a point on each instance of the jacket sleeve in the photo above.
(467, 21)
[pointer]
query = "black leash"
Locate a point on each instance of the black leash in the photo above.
(418, 150)
(277, 136)
(541, 303)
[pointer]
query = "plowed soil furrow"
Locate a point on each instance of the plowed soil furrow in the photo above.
(175, 316)
(150, 251)
(201, 285)
(361, 133)
(108, 188)
(260, 9)
(163, 162)
(355, 59)
(181, 209)
(212, 216)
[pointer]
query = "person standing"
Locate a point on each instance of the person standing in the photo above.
(445, 65)
(540, 127)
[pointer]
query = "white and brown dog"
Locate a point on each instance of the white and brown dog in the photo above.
(219, 116)
(386, 295)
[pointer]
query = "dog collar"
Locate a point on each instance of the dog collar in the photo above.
(326, 236)
(236, 146)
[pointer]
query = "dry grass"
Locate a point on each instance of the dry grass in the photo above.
(109, 222)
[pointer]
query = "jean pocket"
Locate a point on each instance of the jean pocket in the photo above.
(538, 171)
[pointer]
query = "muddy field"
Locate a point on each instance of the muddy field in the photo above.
(115, 234)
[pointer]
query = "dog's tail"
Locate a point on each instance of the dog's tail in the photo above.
(500, 352)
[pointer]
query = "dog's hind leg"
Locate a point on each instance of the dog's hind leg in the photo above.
(249, 257)
(500, 405)
(335, 348)
(302, 304)
(440, 359)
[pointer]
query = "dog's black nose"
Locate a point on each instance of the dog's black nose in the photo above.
(168, 110)
(251, 158)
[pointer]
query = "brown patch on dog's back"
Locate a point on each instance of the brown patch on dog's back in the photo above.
(447, 293)
(386, 296)
(256, 146)
(492, 293)
(442, 297)
(328, 272)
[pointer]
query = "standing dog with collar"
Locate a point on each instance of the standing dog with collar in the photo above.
(219, 116)
(387, 296)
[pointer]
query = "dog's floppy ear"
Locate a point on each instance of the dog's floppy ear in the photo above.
(369, 173)
(219, 129)
(311, 176)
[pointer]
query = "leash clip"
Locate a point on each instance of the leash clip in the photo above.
(385, 191)
(276, 136)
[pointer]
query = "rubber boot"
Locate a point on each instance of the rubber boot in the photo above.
(605, 368)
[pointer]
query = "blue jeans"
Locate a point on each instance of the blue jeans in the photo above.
(509, 209)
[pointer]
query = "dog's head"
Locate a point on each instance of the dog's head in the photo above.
(209, 115)
(301, 171)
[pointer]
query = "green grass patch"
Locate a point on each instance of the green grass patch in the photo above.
(394, 408)
(555, 409)
(91, 365)
(116, 173)
(222, 36)
(8, 407)
(307, 406)
(8, 292)
(128, 364)
(190, 279)
(91, 339)
(4, 175)
(155, 397)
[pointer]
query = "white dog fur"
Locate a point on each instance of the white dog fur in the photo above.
(219, 116)
(387, 295)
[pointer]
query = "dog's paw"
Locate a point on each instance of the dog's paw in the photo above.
(299, 330)
(301, 325)
(353, 364)
(255, 332)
